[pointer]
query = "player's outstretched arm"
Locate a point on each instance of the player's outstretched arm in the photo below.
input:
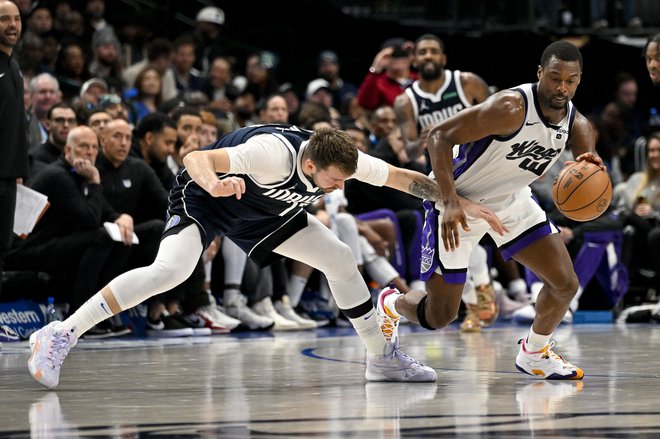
(582, 142)
(204, 166)
(412, 182)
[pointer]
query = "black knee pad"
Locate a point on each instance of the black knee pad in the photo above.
(421, 314)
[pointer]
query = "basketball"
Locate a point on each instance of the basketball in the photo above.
(582, 191)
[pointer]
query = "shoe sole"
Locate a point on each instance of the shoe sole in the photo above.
(378, 378)
(555, 377)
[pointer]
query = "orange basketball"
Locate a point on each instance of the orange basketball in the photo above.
(582, 191)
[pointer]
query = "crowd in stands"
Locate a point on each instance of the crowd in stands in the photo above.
(110, 121)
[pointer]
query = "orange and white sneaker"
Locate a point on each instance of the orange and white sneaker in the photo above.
(471, 322)
(389, 323)
(50, 346)
(546, 364)
(487, 307)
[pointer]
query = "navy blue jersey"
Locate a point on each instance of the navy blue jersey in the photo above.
(265, 216)
(432, 108)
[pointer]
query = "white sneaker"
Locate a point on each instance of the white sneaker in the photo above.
(253, 321)
(394, 365)
(210, 317)
(265, 308)
(546, 364)
(389, 325)
(49, 347)
(527, 313)
(219, 314)
(507, 305)
(284, 308)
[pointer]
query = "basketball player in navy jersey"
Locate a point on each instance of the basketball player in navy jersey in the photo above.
(438, 94)
(251, 186)
(506, 142)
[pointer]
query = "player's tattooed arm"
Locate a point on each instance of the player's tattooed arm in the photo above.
(424, 187)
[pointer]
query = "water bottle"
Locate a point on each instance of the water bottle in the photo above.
(51, 312)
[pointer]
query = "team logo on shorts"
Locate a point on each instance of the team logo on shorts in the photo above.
(173, 221)
(428, 254)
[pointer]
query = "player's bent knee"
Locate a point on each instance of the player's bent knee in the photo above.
(338, 261)
(168, 276)
(566, 287)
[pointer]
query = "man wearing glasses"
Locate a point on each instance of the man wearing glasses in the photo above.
(60, 120)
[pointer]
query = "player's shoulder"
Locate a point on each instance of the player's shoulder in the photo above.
(581, 123)
(507, 101)
(469, 78)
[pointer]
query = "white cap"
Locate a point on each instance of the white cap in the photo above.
(316, 85)
(211, 14)
(94, 81)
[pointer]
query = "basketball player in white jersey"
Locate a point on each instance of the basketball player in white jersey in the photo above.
(438, 94)
(506, 142)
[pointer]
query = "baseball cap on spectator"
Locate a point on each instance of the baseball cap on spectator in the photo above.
(94, 82)
(393, 42)
(211, 14)
(316, 85)
(399, 52)
(109, 100)
(268, 60)
(105, 35)
(287, 86)
(328, 56)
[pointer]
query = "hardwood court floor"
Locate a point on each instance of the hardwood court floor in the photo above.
(311, 384)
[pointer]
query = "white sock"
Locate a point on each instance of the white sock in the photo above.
(478, 266)
(92, 312)
(368, 330)
(536, 342)
(469, 294)
(417, 284)
(295, 287)
(230, 295)
(390, 303)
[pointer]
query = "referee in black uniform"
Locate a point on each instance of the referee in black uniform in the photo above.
(13, 126)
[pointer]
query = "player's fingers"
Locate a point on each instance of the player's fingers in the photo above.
(496, 224)
(238, 186)
(464, 224)
(457, 239)
(445, 236)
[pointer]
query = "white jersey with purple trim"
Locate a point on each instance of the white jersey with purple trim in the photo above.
(497, 171)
